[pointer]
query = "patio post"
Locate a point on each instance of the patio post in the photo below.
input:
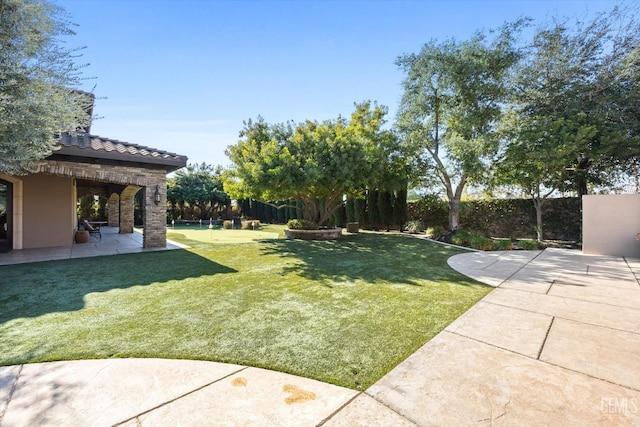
(113, 213)
(126, 208)
(155, 213)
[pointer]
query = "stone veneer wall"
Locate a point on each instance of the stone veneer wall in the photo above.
(127, 206)
(155, 236)
(155, 231)
(113, 216)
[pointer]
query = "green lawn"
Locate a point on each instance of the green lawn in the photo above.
(344, 312)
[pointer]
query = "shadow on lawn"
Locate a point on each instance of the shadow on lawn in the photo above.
(30, 290)
(374, 258)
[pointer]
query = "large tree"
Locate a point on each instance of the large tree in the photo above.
(451, 104)
(573, 119)
(534, 159)
(625, 109)
(575, 97)
(37, 80)
(316, 164)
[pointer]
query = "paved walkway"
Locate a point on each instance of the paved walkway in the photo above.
(556, 343)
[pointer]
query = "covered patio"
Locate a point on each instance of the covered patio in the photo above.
(39, 210)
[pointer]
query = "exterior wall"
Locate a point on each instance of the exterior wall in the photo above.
(113, 217)
(17, 209)
(48, 211)
(44, 203)
(610, 224)
(155, 216)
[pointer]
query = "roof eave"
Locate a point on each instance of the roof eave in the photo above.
(170, 164)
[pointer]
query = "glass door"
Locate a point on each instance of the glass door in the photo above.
(6, 200)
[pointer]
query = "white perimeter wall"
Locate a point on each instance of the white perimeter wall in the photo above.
(610, 224)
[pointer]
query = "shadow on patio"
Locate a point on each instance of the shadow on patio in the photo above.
(111, 243)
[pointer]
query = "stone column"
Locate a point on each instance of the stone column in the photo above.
(113, 213)
(155, 215)
(126, 208)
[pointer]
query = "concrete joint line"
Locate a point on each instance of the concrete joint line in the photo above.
(516, 308)
(520, 269)
(569, 319)
(391, 409)
(195, 390)
(553, 282)
(544, 361)
(544, 341)
(631, 270)
(14, 386)
(333, 414)
(594, 302)
(492, 264)
(590, 376)
(489, 344)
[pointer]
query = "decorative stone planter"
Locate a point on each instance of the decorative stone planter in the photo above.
(353, 227)
(321, 234)
(82, 236)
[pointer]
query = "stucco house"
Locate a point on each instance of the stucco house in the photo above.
(39, 210)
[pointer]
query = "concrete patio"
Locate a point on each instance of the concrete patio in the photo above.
(556, 343)
(111, 243)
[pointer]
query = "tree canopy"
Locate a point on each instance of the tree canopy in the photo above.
(37, 80)
(451, 105)
(572, 119)
(317, 164)
(573, 99)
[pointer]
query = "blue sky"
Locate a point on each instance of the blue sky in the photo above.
(182, 75)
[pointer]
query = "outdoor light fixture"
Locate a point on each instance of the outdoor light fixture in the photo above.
(156, 195)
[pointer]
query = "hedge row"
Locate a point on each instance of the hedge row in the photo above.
(376, 209)
(507, 218)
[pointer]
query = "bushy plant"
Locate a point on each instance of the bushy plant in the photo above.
(502, 245)
(302, 224)
(414, 226)
(250, 224)
(227, 224)
(472, 240)
(435, 231)
(529, 244)
(477, 241)
(461, 238)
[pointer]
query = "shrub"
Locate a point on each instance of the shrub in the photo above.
(461, 238)
(472, 240)
(435, 231)
(477, 241)
(227, 224)
(414, 226)
(502, 245)
(302, 224)
(528, 244)
(246, 224)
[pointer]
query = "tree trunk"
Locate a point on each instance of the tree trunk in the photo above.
(537, 203)
(454, 201)
(584, 163)
(454, 215)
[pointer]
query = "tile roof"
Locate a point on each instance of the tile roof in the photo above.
(111, 149)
